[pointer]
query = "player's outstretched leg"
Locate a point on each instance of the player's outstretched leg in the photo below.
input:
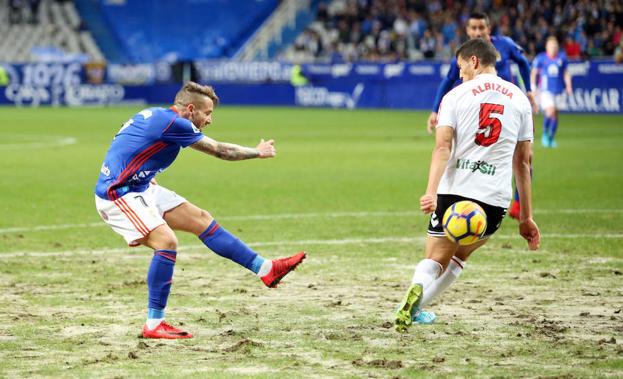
(159, 280)
(223, 243)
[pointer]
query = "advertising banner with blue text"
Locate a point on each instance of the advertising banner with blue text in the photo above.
(597, 85)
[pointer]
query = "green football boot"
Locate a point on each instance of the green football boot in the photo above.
(411, 300)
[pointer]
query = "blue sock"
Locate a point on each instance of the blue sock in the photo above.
(159, 280)
(155, 313)
(228, 246)
(547, 126)
(553, 126)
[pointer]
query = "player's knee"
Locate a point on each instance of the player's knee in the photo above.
(550, 112)
(169, 243)
(199, 222)
(205, 217)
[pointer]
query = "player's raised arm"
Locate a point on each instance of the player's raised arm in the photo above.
(519, 57)
(521, 169)
(233, 152)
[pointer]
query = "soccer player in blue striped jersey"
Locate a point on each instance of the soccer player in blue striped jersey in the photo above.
(550, 67)
(131, 202)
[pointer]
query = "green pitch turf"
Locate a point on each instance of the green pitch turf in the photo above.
(344, 187)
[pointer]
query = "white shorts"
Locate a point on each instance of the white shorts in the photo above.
(135, 214)
(548, 100)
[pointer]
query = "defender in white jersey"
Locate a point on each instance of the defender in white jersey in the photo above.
(483, 136)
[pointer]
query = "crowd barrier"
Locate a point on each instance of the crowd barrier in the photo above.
(598, 85)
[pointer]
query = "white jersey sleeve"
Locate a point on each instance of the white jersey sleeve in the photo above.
(447, 111)
(526, 128)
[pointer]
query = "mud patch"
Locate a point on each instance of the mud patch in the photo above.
(244, 344)
(379, 363)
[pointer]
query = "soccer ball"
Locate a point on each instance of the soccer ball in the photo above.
(465, 222)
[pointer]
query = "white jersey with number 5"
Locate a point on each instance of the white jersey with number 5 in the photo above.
(489, 116)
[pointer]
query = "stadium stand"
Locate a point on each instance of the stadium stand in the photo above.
(150, 30)
(107, 40)
(391, 30)
(280, 29)
(44, 30)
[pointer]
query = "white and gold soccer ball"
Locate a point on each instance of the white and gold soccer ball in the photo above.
(465, 222)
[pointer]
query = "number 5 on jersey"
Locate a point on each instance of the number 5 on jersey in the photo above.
(489, 128)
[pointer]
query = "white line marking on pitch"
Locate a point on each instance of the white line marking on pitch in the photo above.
(300, 243)
(286, 216)
(58, 141)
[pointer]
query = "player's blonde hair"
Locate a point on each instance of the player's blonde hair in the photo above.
(191, 92)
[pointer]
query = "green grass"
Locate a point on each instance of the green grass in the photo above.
(344, 187)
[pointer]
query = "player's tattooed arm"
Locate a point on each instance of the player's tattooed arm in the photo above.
(233, 152)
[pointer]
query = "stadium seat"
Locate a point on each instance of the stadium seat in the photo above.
(147, 33)
(54, 34)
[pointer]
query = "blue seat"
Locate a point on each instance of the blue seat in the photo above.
(152, 30)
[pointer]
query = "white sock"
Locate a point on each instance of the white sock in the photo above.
(426, 272)
(265, 268)
(153, 322)
(455, 267)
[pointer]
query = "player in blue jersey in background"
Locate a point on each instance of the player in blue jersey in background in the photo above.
(478, 26)
(130, 201)
(550, 67)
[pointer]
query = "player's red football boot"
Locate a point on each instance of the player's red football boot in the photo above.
(514, 210)
(164, 330)
(281, 267)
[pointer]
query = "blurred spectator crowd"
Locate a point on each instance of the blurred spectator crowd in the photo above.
(391, 30)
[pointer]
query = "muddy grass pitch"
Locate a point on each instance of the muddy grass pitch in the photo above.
(344, 188)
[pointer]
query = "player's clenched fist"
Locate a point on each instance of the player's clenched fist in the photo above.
(266, 148)
(530, 231)
(428, 203)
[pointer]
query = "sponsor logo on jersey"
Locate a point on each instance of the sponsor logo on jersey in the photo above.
(105, 170)
(140, 175)
(480, 166)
